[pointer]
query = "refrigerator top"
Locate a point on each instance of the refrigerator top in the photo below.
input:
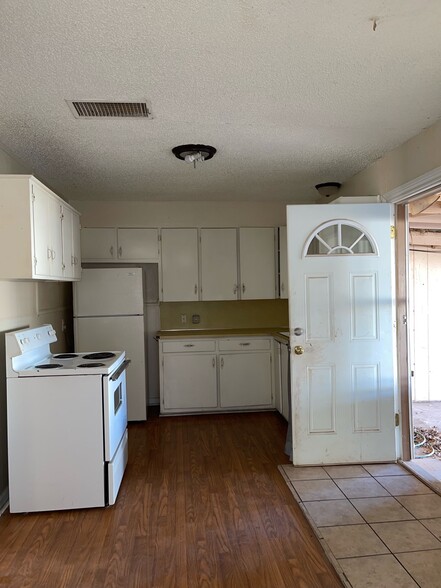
(109, 292)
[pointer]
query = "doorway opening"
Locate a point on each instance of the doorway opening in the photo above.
(424, 259)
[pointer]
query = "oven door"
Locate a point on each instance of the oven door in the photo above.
(115, 409)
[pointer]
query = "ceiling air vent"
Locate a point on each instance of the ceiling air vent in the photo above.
(102, 109)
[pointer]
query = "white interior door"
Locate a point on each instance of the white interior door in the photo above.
(341, 306)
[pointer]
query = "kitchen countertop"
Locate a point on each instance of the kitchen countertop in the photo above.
(279, 333)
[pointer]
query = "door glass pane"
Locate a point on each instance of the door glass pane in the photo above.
(340, 238)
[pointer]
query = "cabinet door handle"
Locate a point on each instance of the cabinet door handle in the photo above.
(245, 344)
(243, 288)
(235, 289)
(188, 345)
(49, 254)
(195, 288)
(120, 252)
(53, 254)
(214, 362)
(222, 362)
(111, 250)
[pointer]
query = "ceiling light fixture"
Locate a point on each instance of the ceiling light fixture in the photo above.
(328, 188)
(194, 153)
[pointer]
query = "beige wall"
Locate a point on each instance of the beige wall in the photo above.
(22, 304)
(414, 158)
(181, 214)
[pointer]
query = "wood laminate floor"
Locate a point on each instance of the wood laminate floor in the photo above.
(202, 504)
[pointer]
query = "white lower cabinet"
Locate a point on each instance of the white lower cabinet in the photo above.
(245, 380)
(189, 381)
(213, 375)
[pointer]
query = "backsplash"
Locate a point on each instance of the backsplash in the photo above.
(226, 314)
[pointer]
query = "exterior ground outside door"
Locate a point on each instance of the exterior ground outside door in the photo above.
(342, 325)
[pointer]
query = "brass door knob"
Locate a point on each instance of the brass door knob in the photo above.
(298, 350)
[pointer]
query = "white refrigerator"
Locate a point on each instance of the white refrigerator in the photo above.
(109, 315)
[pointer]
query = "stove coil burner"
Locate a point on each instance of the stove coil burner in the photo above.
(91, 365)
(99, 355)
(65, 356)
(48, 366)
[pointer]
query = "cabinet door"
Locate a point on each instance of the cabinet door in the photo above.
(189, 381)
(245, 380)
(98, 244)
(283, 263)
(48, 249)
(71, 244)
(257, 263)
(138, 245)
(219, 264)
(76, 245)
(179, 265)
(41, 236)
(67, 234)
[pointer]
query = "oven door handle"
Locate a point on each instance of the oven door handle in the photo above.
(120, 370)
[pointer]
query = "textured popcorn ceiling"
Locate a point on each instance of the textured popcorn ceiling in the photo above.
(290, 92)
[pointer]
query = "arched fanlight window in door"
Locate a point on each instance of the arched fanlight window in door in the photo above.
(340, 237)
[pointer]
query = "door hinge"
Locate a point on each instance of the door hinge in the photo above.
(393, 232)
(397, 419)
(404, 319)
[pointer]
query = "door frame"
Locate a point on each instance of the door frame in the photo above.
(424, 185)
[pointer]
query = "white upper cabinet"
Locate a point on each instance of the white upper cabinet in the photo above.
(257, 263)
(71, 243)
(98, 244)
(219, 280)
(117, 244)
(31, 231)
(180, 281)
(283, 263)
(138, 245)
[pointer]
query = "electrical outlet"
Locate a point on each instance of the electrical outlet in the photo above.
(183, 319)
(196, 319)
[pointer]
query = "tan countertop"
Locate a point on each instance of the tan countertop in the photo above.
(199, 333)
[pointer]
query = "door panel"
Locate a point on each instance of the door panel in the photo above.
(341, 296)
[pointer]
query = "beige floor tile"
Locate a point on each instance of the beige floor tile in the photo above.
(423, 506)
(353, 541)
(361, 488)
(434, 525)
(386, 469)
(349, 471)
(406, 536)
(404, 485)
(378, 571)
(317, 490)
(306, 473)
(424, 567)
(330, 513)
(381, 509)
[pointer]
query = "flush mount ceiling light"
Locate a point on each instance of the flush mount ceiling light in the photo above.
(328, 188)
(194, 153)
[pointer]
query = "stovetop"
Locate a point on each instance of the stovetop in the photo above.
(28, 354)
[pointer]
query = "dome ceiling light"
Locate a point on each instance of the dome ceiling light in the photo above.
(328, 188)
(194, 153)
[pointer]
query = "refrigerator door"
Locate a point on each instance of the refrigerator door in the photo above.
(124, 333)
(109, 292)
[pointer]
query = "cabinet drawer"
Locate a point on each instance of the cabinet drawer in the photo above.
(188, 345)
(244, 344)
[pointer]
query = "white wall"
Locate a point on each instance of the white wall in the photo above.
(21, 304)
(425, 289)
(415, 157)
(181, 214)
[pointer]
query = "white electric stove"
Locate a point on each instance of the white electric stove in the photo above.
(67, 424)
